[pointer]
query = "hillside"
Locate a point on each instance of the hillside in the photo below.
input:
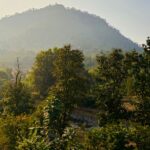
(56, 25)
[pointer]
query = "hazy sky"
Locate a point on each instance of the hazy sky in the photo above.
(131, 17)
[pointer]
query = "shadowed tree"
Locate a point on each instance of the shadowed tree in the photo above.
(41, 73)
(16, 96)
(70, 78)
(110, 77)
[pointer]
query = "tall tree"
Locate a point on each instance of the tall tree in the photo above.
(41, 73)
(110, 77)
(142, 85)
(70, 80)
(16, 96)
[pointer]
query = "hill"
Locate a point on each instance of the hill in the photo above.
(56, 25)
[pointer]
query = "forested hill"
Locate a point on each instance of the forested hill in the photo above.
(55, 26)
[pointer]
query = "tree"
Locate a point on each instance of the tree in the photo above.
(41, 73)
(137, 66)
(142, 85)
(70, 78)
(108, 90)
(16, 96)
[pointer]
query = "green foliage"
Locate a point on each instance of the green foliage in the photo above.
(12, 127)
(17, 100)
(51, 134)
(70, 78)
(41, 73)
(32, 142)
(53, 116)
(123, 77)
(68, 140)
(16, 97)
(142, 84)
(137, 66)
(120, 137)
(108, 89)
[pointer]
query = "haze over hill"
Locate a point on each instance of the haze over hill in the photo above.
(23, 35)
(55, 26)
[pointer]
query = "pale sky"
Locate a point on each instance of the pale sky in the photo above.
(131, 17)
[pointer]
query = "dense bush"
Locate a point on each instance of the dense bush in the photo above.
(120, 137)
